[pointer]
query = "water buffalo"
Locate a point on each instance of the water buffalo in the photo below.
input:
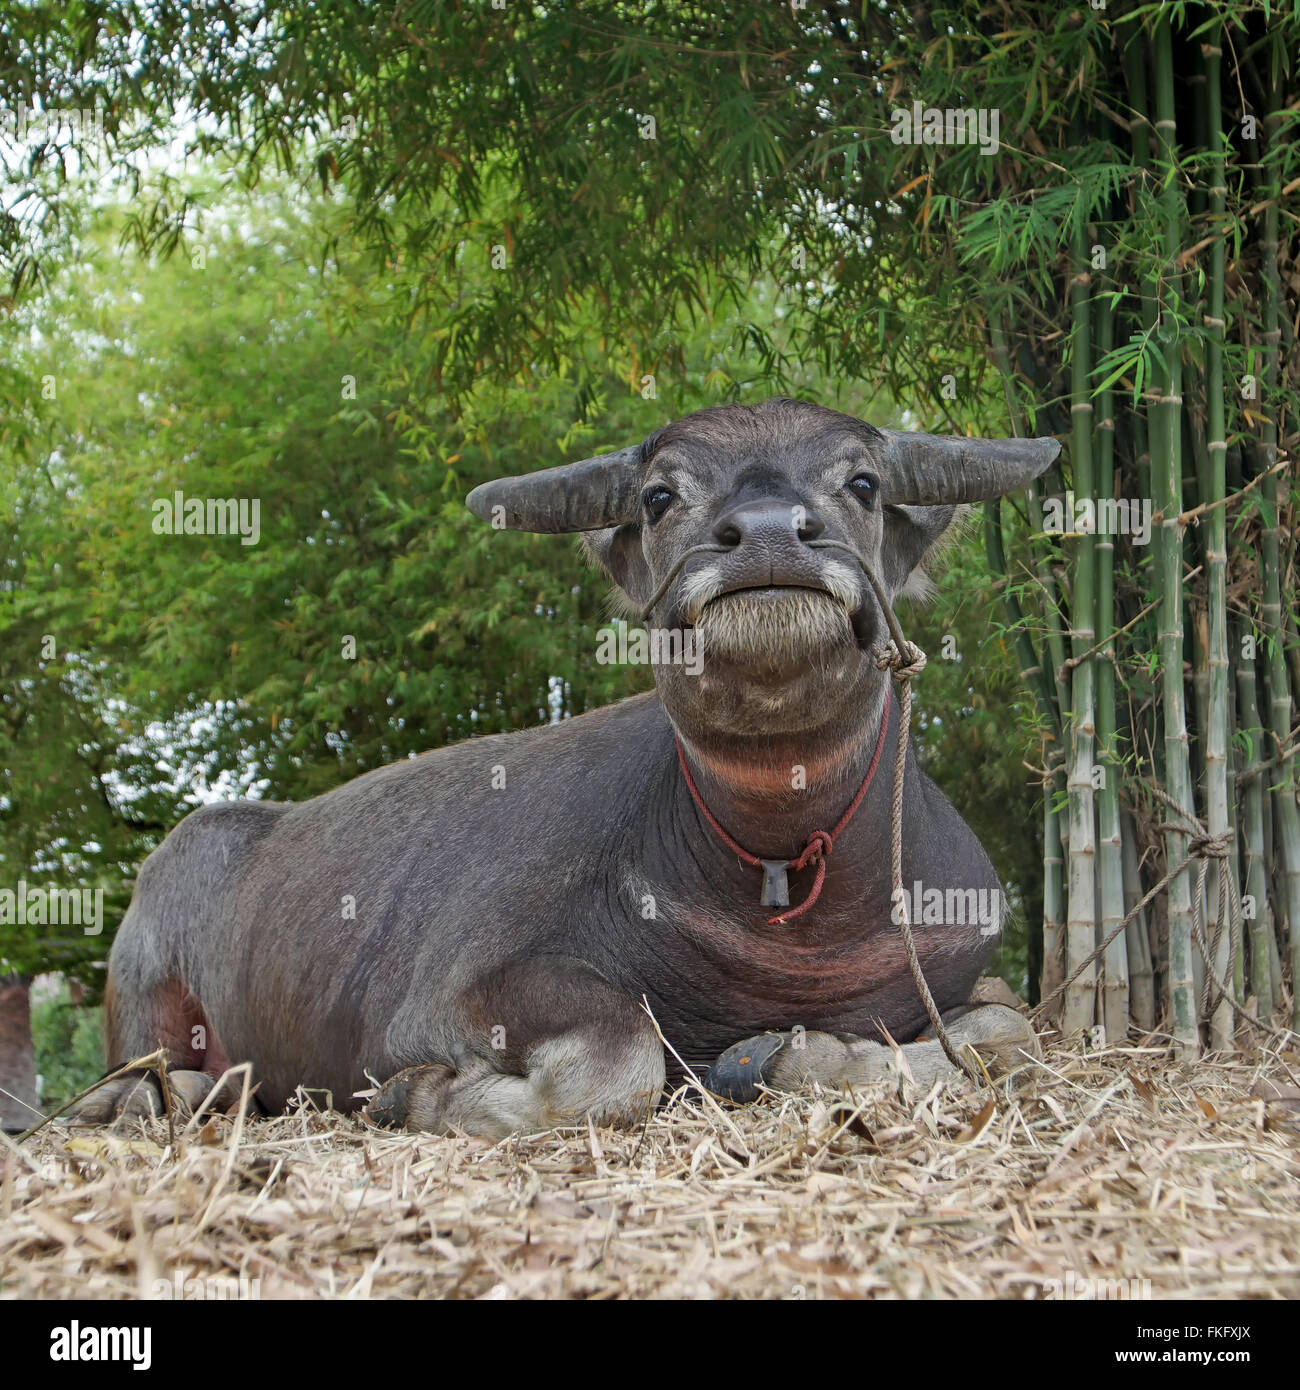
(478, 928)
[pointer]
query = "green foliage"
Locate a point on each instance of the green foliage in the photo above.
(69, 1045)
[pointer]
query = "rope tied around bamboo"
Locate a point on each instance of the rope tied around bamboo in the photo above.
(1202, 848)
(1210, 846)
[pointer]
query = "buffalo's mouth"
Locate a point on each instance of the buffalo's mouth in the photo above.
(772, 586)
(777, 626)
(770, 592)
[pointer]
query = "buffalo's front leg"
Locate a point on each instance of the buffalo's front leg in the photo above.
(539, 1044)
(789, 1061)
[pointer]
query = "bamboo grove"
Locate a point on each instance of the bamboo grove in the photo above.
(1167, 675)
(1150, 321)
(1116, 265)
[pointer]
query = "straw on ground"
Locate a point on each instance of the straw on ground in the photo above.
(1119, 1167)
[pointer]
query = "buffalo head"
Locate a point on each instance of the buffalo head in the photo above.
(722, 522)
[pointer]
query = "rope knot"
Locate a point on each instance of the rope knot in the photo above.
(818, 847)
(1210, 846)
(905, 663)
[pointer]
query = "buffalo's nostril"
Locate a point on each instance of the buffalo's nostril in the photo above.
(767, 522)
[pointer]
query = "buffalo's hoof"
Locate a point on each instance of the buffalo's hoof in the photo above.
(388, 1106)
(738, 1073)
(138, 1095)
(411, 1099)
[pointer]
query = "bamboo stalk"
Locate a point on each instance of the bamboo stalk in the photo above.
(1044, 686)
(1286, 817)
(1145, 638)
(1080, 1011)
(1053, 756)
(1234, 862)
(1277, 923)
(1135, 73)
(1216, 544)
(1053, 893)
(1166, 467)
(1110, 857)
(1292, 641)
(1137, 940)
(1254, 873)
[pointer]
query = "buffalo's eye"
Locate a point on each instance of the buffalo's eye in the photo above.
(865, 486)
(656, 501)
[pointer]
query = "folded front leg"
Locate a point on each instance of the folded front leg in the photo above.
(542, 1044)
(791, 1061)
(138, 1094)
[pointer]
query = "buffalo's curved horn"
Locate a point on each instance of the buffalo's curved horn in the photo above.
(928, 470)
(585, 496)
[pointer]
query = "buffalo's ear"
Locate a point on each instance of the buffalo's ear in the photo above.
(617, 550)
(913, 536)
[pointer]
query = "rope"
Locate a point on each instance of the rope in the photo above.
(1205, 847)
(707, 549)
(1201, 847)
(1208, 958)
(906, 660)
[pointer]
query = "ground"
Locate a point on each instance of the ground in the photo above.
(1111, 1174)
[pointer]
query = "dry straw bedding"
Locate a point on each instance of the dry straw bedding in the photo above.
(1119, 1165)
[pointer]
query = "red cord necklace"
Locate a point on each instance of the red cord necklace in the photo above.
(776, 885)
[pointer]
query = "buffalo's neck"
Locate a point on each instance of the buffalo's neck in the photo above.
(771, 793)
